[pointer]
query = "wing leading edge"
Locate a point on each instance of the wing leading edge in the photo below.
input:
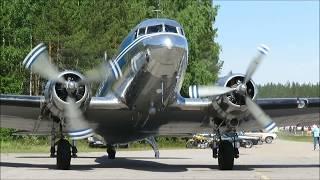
(23, 112)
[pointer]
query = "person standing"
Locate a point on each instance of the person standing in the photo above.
(315, 135)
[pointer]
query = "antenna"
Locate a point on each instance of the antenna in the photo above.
(157, 10)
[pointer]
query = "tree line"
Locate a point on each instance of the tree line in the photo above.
(292, 89)
(79, 32)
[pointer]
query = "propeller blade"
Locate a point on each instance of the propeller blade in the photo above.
(78, 127)
(103, 73)
(263, 50)
(263, 119)
(38, 62)
(207, 91)
(99, 74)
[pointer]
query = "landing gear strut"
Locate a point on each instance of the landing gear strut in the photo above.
(74, 149)
(53, 139)
(64, 150)
(154, 146)
(111, 150)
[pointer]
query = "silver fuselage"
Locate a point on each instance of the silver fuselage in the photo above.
(149, 68)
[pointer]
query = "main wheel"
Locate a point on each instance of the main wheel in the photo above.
(111, 152)
(63, 154)
(225, 155)
(269, 139)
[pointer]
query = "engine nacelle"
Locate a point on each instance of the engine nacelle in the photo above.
(232, 106)
(56, 93)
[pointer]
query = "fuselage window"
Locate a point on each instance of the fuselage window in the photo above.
(154, 29)
(169, 28)
(141, 31)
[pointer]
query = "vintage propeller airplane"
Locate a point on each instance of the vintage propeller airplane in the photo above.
(139, 97)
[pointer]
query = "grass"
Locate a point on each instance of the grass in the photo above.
(292, 137)
(36, 144)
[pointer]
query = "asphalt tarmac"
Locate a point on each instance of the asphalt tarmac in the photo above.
(279, 160)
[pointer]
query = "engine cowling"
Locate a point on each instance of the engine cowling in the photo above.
(232, 106)
(235, 98)
(56, 93)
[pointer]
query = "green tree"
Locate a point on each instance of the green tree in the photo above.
(78, 32)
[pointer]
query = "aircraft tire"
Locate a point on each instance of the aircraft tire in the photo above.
(225, 155)
(111, 152)
(63, 154)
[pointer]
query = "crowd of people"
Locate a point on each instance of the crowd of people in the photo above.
(312, 131)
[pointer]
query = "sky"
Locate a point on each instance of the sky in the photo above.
(289, 28)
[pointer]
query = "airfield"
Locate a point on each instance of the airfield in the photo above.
(279, 160)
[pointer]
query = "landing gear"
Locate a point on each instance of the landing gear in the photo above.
(225, 149)
(226, 155)
(53, 139)
(154, 146)
(74, 149)
(64, 150)
(63, 154)
(111, 150)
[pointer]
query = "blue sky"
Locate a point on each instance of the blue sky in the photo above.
(290, 29)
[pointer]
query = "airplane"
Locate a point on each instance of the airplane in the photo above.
(139, 97)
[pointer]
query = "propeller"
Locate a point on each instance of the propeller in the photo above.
(263, 119)
(78, 127)
(38, 62)
(207, 91)
(263, 50)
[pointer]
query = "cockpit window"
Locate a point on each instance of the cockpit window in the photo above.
(141, 31)
(154, 29)
(169, 28)
(182, 33)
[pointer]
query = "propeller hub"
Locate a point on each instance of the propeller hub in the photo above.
(242, 89)
(71, 86)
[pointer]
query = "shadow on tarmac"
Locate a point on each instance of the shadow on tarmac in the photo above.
(135, 163)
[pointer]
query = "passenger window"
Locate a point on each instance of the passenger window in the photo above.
(154, 29)
(169, 28)
(141, 31)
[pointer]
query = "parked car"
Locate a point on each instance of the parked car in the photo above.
(95, 142)
(265, 136)
(254, 139)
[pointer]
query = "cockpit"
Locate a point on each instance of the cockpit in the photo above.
(158, 28)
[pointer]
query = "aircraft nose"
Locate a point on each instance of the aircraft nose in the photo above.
(165, 53)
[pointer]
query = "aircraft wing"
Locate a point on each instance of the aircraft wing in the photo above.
(193, 114)
(278, 107)
(23, 112)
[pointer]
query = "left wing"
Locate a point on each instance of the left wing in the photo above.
(22, 112)
(25, 113)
